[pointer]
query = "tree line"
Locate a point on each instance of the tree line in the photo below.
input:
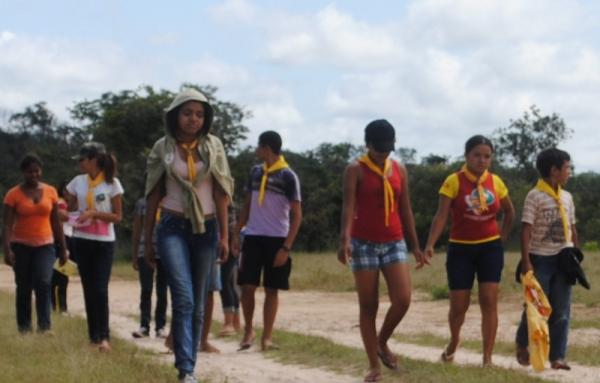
(129, 121)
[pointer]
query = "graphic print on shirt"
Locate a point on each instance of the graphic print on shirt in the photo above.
(555, 232)
(473, 204)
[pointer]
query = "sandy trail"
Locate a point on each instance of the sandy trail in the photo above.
(333, 316)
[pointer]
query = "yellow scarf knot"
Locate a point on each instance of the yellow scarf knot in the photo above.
(546, 188)
(191, 165)
(388, 191)
(483, 206)
(92, 183)
(277, 165)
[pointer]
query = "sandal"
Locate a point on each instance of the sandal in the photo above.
(447, 358)
(560, 365)
(523, 356)
(373, 376)
(247, 343)
(389, 360)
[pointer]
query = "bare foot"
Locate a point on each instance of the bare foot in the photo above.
(104, 346)
(267, 345)
(207, 347)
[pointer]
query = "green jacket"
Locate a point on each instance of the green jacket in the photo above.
(211, 152)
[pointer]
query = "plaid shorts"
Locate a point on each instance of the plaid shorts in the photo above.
(376, 255)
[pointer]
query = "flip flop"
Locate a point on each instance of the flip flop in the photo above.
(245, 345)
(447, 358)
(373, 376)
(388, 360)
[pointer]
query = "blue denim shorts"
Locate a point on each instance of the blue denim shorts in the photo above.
(368, 255)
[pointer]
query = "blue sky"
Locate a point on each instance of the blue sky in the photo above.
(316, 71)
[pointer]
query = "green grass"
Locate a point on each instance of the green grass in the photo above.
(67, 355)
(318, 352)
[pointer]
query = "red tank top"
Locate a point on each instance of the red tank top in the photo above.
(369, 219)
(469, 223)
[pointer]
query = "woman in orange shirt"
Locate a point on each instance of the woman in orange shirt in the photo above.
(31, 226)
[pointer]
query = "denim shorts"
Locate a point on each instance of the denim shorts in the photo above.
(368, 255)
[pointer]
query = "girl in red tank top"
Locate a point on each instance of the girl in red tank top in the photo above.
(376, 212)
(473, 197)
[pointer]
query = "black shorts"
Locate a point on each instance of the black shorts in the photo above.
(465, 260)
(258, 253)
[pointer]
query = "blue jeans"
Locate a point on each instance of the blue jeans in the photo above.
(558, 291)
(146, 275)
(33, 271)
(186, 258)
(229, 294)
(95, 264)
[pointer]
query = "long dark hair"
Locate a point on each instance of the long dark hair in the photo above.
(108, 163)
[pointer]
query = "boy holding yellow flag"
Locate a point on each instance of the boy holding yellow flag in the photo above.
(548, 227)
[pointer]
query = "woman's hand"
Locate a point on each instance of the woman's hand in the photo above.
(9, 257)
(63, 256)
(223, 251)
(86, 216)
(149, 256)
(421, 258)
(344, 252)
(235, 245)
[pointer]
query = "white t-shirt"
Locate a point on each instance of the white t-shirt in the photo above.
(97, 230)
(542, 213)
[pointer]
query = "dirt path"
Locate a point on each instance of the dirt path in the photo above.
(330, 315)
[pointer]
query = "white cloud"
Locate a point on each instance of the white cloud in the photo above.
(211, 70)
(234, 12)
(60, 71)
(332, 37)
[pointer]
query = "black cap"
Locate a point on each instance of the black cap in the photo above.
(90, 150)
(380, 134)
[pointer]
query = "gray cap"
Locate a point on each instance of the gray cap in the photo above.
(90, 150)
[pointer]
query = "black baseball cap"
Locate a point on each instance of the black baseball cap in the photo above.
(90, 150)
(380, 134)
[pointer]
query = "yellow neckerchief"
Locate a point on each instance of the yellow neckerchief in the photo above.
(277, 165)
(388, 191)
(542, 185)
(483, 206)
(191, 165)
(92, 183)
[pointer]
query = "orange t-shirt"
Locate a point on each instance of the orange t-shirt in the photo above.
(32, 220)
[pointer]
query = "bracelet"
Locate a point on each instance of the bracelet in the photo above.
(284, 247)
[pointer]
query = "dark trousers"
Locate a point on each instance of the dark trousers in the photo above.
(146, 283)
(33, 272)
(229, 294)
(95, 264)
(59, 291)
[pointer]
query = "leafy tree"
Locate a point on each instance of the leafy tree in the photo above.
(434, 159)
(520, 142)
(407, 155)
